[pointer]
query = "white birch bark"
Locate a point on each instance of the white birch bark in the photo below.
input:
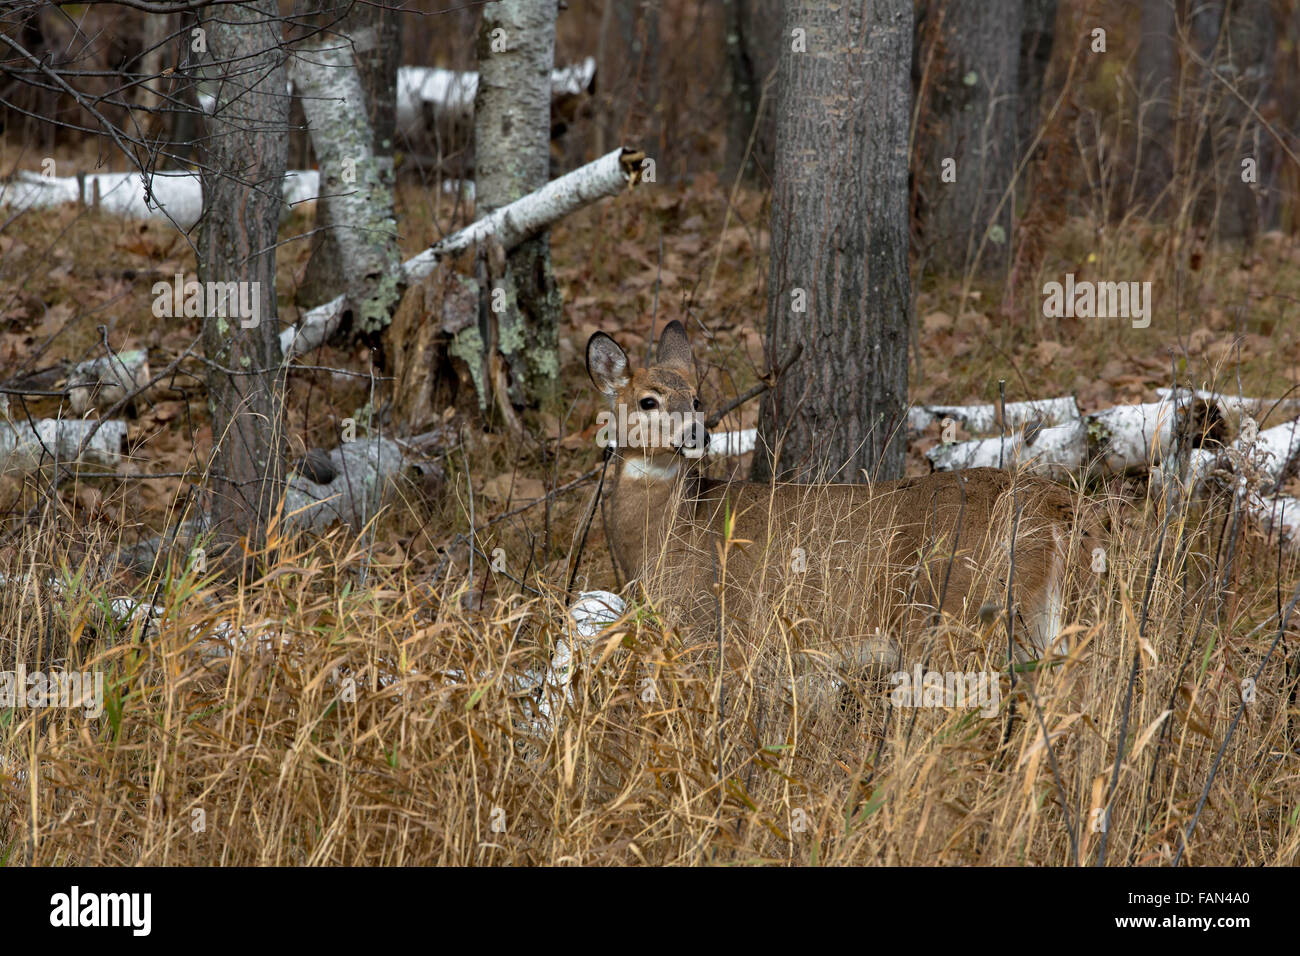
(449, 94)
(516, 52)
(24, 449)
(607, 176)
(1056, 451)
(724, 444)
(357, 188)
(173, 196)
(107, 380)
(1235, 406)
(1122, 439)
(984, 418)
(512, 158)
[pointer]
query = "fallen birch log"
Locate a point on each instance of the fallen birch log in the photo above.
(107, 380)
(1233, 407)
(984, 418)
(428, 94)
(1276, 513)
(509, 225)
(25, 449)
(348, 485)
(1276, 449)
(1120, 439)
(1130, 438)
(736, 443)
(1262, 459)
(173, 196)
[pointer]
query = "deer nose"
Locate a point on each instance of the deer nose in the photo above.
(695, 438)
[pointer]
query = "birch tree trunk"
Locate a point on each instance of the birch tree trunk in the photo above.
(512, 123)
(344, 81)
(976, 115)
(839, 283)
(247, 142)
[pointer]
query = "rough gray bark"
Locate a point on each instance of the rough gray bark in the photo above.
(1036, 38)
(1238, 40)
(246, 149)
(512, 123)
(348, 85)
(1156, 86)
(840, 238)
(753, 45)
(975, 114)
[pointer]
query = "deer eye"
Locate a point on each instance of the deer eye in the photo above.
(697, 404)
(649, 404)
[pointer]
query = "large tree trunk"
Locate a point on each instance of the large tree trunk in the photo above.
(968, 214)
(348, 84)
(1036, 38)
(1240, 51)
(512, 123)
(753, 40)
(839, 283)
(242, 172)
(1156, 87)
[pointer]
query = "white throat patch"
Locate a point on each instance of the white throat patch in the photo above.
(640, 468)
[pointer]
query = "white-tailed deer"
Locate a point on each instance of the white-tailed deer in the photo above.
(855, 566)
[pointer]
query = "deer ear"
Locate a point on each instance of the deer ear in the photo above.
(674, 348)
(606, 364)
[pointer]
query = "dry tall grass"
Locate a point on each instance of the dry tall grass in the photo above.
(383, 724)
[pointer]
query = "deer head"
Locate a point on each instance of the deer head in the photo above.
(654, 420)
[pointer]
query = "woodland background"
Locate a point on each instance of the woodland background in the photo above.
(1117, 165)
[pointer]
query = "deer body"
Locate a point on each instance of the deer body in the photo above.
(856, 560)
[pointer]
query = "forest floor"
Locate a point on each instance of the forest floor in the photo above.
(427, 764)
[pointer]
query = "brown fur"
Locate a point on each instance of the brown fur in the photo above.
(879, 560)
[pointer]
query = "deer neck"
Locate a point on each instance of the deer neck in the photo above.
(646, 494)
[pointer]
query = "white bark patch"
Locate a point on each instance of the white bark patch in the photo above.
(107, 380)
(724, 444)
(1133, 437)
(984, 418)
(424, 91)
(1056, 451)
(1276, 448)
(1124, 438)
(24, 448)
(1233, 407)
(175, 195)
